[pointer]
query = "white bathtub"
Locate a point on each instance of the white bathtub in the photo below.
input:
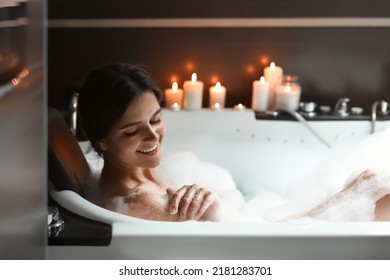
(134, 238)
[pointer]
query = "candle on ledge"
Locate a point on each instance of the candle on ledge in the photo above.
(173, 95)
(273, 75)
(239, 107)
(217, 95)
(216, 106)
(193, 93)
(260, 95)
(175, 107)
(288, 95)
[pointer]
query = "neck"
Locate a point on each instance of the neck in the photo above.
(119, 180)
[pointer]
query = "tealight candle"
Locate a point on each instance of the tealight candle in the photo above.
(175, 106)
(173, 95)
(273, 75)
(260, 94)
(239, 107)
(216, 106)
(288, 96)
(193, 93)
(217, 95)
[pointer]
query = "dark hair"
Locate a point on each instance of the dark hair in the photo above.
(106, 94)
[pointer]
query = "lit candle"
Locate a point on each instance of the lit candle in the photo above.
(175, 106)
(239, 107)
(217, 95)
(193, 93)
(173, 95)
(273, 75)
(216, 106)
(260, 95)
(288, 96)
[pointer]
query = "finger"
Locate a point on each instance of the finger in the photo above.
(170, 191)
(185, 202)
(196, 203)
(207, 201)
(176, 198)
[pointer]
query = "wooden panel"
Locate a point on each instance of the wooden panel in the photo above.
(216, 8)
(331, 62)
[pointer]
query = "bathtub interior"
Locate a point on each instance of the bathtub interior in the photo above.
(271, 162)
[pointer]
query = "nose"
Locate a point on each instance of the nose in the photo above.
(151, 134)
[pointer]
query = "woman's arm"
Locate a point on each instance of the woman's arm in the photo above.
(187, 203)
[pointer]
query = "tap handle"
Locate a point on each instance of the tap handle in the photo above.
(341, 105)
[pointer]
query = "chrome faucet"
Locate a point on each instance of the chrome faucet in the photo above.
(384, 110)
(341, 107)
(73, 113)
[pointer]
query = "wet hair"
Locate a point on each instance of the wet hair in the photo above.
(105, 95)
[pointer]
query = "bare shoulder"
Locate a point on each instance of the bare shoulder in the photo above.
(142, 204)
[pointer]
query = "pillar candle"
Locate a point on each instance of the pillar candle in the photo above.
(193, 93)
(273, 75)
(288, 97)
(260, 95)
(217, 95)
(173, 95)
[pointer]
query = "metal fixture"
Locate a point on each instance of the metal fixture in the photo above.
(55, 222)
(308, 109)
(384, 110)
(302, 120)
(73, 113)
(341, 107)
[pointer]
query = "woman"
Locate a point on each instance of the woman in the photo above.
(120, 111)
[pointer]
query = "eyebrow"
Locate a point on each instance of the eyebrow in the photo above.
(135, 123)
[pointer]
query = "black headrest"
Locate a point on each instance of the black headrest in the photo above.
(67, 165)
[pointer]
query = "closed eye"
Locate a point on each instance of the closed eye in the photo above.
(155, 121)
(129, 134)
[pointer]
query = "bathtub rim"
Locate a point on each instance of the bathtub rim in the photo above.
(123, 225)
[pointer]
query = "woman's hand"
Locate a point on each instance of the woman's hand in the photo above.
(191, 202)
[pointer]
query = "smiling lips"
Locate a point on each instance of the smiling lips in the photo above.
(150, 152)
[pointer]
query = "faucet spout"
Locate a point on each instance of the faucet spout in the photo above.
(383, 110)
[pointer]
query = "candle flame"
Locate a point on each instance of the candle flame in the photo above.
(287, 89)
(175, 105)
(216, 105)
(239, 106)
(262, 80)
(175, 86)
(218, 85)
(272, 65)
(194, 77)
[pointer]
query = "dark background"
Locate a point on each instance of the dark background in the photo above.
(331, 62)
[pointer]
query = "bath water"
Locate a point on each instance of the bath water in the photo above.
(274, 182)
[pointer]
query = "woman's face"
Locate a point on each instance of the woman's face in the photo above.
(135, 140)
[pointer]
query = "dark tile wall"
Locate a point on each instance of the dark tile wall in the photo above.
(331, 62)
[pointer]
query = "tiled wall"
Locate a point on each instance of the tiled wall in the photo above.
(337, 48)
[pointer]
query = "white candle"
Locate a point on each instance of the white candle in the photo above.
(193, 93)
(217, 95)
(273, 75)
(260, 95)
(287, 97)
(173, 95)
